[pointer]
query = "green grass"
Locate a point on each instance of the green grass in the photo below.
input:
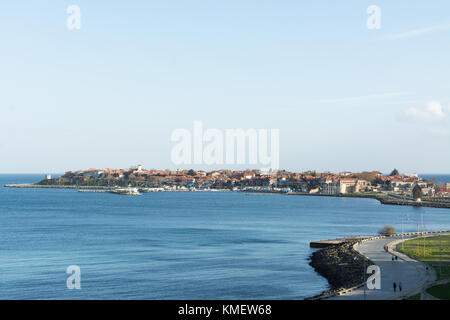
(415, 297)
(445, 271)
(441, 292)
(428, 250)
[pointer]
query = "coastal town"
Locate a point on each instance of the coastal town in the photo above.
(373, 183)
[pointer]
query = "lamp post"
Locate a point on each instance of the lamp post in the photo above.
(440, 256)
(404, 216)
(423, 235)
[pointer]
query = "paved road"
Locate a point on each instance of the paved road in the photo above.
(411, 273)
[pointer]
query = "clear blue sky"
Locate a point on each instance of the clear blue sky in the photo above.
(109, 95)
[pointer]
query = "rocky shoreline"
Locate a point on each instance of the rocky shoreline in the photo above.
(341, 265)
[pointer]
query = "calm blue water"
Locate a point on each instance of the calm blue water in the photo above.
(176, 245)
(440, 178)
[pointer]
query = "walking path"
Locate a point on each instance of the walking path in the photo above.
(414, 275)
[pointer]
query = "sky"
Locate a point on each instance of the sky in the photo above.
(343, 96)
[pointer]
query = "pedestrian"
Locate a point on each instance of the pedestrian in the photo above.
(395, 287)
(396, 258)
(400, 287)
(392, 258)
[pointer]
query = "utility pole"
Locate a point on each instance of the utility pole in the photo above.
(423, 234)
(440, 256)
(403, 231)
(418, 242)
(424, 240)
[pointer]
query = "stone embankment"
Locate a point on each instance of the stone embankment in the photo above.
(435, 203)
(385, 199)
(341, 265)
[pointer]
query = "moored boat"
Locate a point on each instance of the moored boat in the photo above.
(126, 191)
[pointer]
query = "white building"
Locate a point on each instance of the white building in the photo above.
(350, 185)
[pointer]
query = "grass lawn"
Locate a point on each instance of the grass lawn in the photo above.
(445, 271)
(415, 297)
(441, 292)
(431, 250)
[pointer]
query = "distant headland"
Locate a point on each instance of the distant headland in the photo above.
(393, 188)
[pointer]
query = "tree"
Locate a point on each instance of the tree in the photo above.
(368, 176)
(394, 173)
(417, 192)
(191, 172)
(387, 230)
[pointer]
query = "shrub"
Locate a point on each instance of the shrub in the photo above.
(387, 230)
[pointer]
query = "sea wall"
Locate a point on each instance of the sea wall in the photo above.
(436, 203)
(341, 265)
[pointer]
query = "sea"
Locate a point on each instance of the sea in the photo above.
(178, 245)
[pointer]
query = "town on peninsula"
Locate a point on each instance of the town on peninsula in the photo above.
(393, 188)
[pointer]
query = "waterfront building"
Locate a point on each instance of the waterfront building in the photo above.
(351, 185)
(330, 185)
